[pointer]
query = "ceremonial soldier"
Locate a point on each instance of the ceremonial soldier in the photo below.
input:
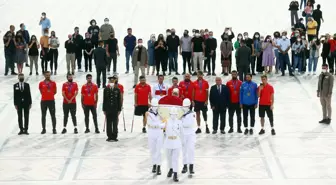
(22, 102)
(155, 135)
(89, 102)
(173, 142)
(160, 90)
(114, 80)
(112, 103)
(189, 137)
(69, 93)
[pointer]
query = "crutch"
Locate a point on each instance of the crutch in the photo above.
(132, 123)
(124, 120)
(104, 124)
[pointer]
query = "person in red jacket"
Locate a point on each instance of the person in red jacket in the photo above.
(48, 89)
(89, 102)
(234, 107)
(200, 100)
(69, 93)
(175, 85)
(187, 87)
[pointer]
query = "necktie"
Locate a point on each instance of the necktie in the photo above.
(21, 86)
(219, 90)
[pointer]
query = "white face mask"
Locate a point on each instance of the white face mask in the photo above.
(139, 44)
(284, 37)
(168, 33)
(46, 34)
(324, 70)
(111, 85)
(106, 22)
(239, 37)
(43, 16)
(262, 38)
(298, 40)
(257, 36)
(93, 24)
(153, 39)
(198, 34)
(246, 36)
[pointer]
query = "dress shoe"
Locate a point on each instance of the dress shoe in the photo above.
(97, 131)
(21, 132)
(144, 130)
(230, 131)
(207, 130)
(170, 173)
(191, 169)
(64, 131)
(43, 131)
(54, 131)
(246, 132)
(273, 132)
(185, 169)
(175, 178)
(239, 130)
(87, 131)
(198, 131)
(323, 121)
(158, 170)
(214, 132)
(26, 132)
(154, 169)
(222, 132)
(115, 140)
(75, 131)
(328, 120)
(262, 131)
(251, 131)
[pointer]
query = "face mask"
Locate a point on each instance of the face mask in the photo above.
(70, 80)
(298, 40)
(198, 34)
(46, 34)
(257, 36)
(106, 22)
(153, 39)
(324, 70)
(93, 24)
(262, 38)
(140, 44)
(284, 37)
(43, 16)
(168, 33)
(239, 37)
(228, 32)
(111, 85)
(246, 36)
(210, 37)
(21, 79)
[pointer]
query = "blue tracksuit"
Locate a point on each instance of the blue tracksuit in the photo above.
(248, 93)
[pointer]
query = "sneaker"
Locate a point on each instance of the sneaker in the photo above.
(43, 131)
(54, 131)
(246, 131)
(97, 131)
(87, 131)
(323, 121)
(262, 131)
(207, 130)
(64, 131)
(239, 130)
(251, 131)
(214, 132)
(230, 131)
(144, 130)
(273, 132)
(75, 131)
(198, 131)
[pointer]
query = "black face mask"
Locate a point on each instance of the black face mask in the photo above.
(111, 36)
(69, 80)
(173, 33)
(21, 79)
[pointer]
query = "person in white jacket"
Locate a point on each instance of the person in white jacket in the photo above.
(173, 142)
(155, 135)
(189, 137)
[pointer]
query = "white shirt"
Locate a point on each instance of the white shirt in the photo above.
(188, 123)
(154, 125)
(21, 86)
(174, 131)
(159, 91)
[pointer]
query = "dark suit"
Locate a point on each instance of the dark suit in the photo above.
(243, 61)
(219, 102)
(111, 107)
(22, 101)
(100, 59)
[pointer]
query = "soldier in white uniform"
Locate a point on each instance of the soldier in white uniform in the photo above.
(173, 142)
(160, 89)
(189, 137)
(155, 135)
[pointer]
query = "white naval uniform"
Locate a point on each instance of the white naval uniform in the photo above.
(155, 136)
(173, 142)
(159, 91)
(189, 137)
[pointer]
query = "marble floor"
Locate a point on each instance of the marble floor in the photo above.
(302, 152)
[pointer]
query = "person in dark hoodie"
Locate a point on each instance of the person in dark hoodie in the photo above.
(210, 54)
(173, 42)
(79, 42)
(100, 59)
(94, 32)
(88, 52)
(294, 8)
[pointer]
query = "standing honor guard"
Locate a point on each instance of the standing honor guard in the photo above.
(112, 103)
(173, 142)
(89, 102)
(22, 101)
(189, 137)
(69, 93)
(160, 90)
(155, 135)
(48, 89)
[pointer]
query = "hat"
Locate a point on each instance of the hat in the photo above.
(186, 102)
(112, 77)
(154, 102)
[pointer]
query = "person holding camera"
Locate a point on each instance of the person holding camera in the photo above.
(268, 54)
(266, 104)
(10, 50)
(44, 22)
(160, 55)
(70, 54)
(314, 51)
(311, 28)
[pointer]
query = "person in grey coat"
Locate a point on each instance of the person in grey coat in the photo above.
(243, 60)
(324, 92)
(105, 30)
(139, 60)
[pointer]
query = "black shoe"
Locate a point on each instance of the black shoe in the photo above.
(115, 139)
(177, 73)
(175, 177)
(246, 131)
(230, 131)
(323, 121)
(26, 132)
(13, 73)
(21, 132)
(209, 74)
(253, 74)
(291, 74)
(87, 131)
(262, 131)
(54, 131)
(37, 73)
(222, 132)
(198, 131)
(213, 74)
(75, 131)
(214, 132)
(104, 86)
(170, 173)
(27, 65)
(64, 131)
(185, 169)
(43, 131)
(134, 86)
(158, 170)
(273, 132)
(207, 130)
(154, 169)
(169, 73)
(109, 140)
(191, 169)
(30, 73)
(183, 73)
(251, 131)
(239, 130)
(164, 73)
(144, 130)
(97, 131)
(194, 74)
(328, 121)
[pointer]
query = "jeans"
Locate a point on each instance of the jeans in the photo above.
(50, 104)
(93, 109)
(303, 3)
(284, 60)
(297, 63)
(186, 60)
(173, 66)
(53, 53)
(44, 60)
(113, 57)
(312, 61)
(277, 60)
(71, 107)
(128, 56)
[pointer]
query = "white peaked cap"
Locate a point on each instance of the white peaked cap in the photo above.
(173, 110)
(186, 102)
(155, 102)
(175, 90)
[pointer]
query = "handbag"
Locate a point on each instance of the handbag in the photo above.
(304, 14)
